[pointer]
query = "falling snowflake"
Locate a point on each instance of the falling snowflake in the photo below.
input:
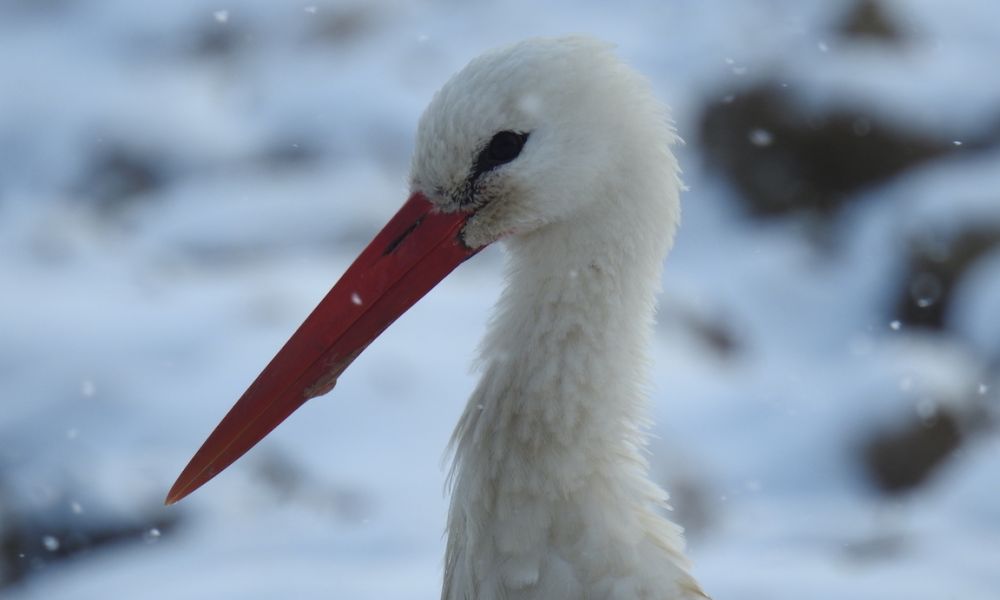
(761, 138)
(151, 535)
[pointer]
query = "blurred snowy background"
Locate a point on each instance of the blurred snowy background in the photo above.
(180, 183)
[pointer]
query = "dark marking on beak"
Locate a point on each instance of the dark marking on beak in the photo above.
(396, 242)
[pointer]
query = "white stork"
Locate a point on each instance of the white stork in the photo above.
(560, 150)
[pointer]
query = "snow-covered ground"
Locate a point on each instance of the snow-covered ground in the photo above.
(180, 183)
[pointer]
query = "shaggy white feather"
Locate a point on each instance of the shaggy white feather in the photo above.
(550, 494)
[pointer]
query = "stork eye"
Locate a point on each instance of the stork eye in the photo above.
(503, 148)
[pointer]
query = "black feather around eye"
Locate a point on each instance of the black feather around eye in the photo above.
(503, 148)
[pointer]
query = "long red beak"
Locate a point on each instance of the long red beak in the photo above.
(412, 253)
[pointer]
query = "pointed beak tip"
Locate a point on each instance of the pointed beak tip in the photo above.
(416, 249)
(173, 497)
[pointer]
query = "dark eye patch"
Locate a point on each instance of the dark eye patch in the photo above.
(503, 148)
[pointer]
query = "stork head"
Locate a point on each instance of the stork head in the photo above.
(522, 137)
(526, 134)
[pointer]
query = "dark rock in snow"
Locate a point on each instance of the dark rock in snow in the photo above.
(36, 535)
(784, 158)
(901, 460)
(118, 174)
(217, 40)
(343, 24)
(936, 266)
(868, 20)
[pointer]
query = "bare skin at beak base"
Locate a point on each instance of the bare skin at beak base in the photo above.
(415, 250)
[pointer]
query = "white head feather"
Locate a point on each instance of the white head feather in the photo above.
(592, 121)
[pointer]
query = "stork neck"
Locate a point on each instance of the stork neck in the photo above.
(550, 490)
(564, 362)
